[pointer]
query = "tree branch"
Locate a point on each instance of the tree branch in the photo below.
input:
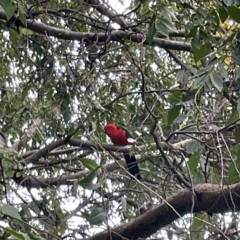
(209, 198)
(107, 12)
(64, 179)
(37, 123)
(117, 35)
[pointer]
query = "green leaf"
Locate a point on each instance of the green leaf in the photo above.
(151, 30)
(223, 71)
(238, 106)
(22, 17)
(213, 61)
(9, 8)
(193, 161)
(21, 8)
(180, 118)
(223, 13)
(237, 134)
(234, 116)
(169, 25)
(169, 14)
(216, 81)
(214, 18)
(193, 146)
(234, 13)
(192, 33)
(198, 177)
(235, 57)
(18, 234)
(203, 164)
(9, 210)
(204, 71)
(205, 36)
(200, 80)
(34, 207)
(124, 204)
(58, 210)
(182, 76)
(189, 95)
(14, 36)
(161, 28)
(238, 72)
(196, 42)
(97, 216)
(172, 114)
(89, 163)
(233, 175)
(203, 12)
(175, 97)
(197, 224)
(203, 51)
(87, 182)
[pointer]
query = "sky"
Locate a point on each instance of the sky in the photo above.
(119, 5)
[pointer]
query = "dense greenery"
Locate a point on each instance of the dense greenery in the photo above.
(167, 70)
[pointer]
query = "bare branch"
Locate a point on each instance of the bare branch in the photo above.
(29, 134)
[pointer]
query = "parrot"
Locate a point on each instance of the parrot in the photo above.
(122, 137)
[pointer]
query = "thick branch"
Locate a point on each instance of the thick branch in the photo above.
(88, 144)
(34, 155)
(116, 35)
(45, 151)
(209, 198)
(64, 179)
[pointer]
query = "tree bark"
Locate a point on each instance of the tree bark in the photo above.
(210, 198)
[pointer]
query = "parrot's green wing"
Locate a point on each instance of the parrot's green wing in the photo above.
(128, 132)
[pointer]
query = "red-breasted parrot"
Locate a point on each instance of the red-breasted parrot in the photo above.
(122, 137)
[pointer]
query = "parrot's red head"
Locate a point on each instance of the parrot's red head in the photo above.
(110, 128)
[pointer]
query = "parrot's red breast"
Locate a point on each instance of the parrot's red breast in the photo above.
(117, 134)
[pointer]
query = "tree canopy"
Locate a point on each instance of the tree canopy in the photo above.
(168, 71)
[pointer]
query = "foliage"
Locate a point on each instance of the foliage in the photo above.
(167, 70)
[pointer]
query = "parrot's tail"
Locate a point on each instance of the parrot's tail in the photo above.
(132, 165)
